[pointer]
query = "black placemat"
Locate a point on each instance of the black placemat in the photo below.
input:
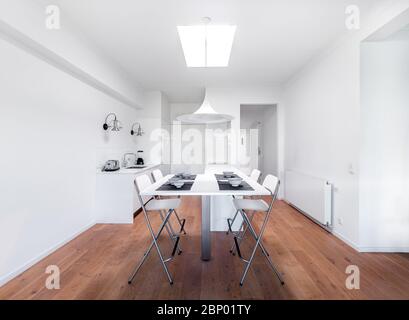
(223, 177)
(244, 186)
(170, 187)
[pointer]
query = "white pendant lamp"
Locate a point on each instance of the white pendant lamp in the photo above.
(205, 114)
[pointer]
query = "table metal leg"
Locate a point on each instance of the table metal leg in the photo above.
(206, 243)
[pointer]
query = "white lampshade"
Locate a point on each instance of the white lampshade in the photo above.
(205, 114)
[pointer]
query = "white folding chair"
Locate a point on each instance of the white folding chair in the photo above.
(255, 176)
(148, 205)
(272, 184)
(157, 175)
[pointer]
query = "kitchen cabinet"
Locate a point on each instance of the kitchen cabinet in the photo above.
(116, 200)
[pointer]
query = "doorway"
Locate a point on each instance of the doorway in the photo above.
(259, 138)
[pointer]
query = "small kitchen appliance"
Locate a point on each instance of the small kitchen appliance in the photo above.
(111, 165)
(129, 160)
(140, 161)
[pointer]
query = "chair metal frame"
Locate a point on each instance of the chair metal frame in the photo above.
(240, 235)
(164, 225)
(180, 221)
(238, 238)
(230, 221)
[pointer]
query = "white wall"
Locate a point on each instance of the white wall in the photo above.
(150, 119)
(166, 141)
(51, 132)
(115, 145)
(322, 112)
(52, 139)
(322, 130)
(270, 141)
(177, 109)
(384, 188)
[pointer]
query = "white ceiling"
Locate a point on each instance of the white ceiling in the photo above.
(274, 38)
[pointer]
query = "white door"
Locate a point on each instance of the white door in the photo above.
(249, 150)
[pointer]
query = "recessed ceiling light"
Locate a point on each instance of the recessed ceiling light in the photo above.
(207, 46)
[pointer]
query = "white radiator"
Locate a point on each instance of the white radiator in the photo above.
(311, 195)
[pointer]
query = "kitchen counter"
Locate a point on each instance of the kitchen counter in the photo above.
(129, 171)
(116, 199)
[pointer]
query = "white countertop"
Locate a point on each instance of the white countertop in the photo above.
(206, 185)
(129, 171)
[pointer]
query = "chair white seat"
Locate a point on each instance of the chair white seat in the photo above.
(165, 204)
(247, 204)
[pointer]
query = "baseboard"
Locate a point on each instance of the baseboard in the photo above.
(363, 249)
(352, 244)
(384, 249)
(21, 269)
(328, 228)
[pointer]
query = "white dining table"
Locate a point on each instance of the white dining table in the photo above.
(206, 186)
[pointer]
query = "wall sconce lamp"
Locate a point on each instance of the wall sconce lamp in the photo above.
(139, 131)
(114, 124)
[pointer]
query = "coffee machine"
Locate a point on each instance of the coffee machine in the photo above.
(139, 160)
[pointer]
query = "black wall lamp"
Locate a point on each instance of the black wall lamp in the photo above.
(113, 124)
(138, 131)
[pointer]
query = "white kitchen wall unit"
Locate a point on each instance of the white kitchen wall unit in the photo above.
(311, 195)
(116, 199)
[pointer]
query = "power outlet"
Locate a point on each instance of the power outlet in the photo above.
(340, 221)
